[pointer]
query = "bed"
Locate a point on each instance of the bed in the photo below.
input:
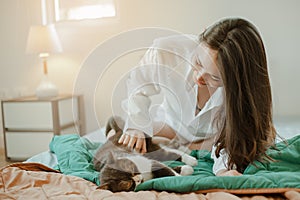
(66, 172)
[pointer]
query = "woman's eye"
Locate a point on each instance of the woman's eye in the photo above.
(217, 79)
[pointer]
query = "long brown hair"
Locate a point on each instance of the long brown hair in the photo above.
(248, 130)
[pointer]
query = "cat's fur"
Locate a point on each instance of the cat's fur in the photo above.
(122, 169)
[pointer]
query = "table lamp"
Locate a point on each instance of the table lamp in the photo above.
(43, 40)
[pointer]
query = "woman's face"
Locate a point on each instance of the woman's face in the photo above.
(206, 72)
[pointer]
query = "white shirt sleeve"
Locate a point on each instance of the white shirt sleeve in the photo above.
(220, 163)
(141, 84)
(144, 80)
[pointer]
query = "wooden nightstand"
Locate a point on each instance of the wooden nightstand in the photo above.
(30, 123)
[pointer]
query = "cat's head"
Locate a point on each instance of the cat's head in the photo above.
(120, 181)
(120, 175)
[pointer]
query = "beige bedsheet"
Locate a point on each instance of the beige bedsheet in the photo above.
(36, 181)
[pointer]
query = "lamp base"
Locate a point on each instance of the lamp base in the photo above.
(46, 89)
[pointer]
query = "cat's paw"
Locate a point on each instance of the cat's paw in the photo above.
(189, 160)
(138, 179)
(186, 170)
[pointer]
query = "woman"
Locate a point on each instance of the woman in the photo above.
(230, 100)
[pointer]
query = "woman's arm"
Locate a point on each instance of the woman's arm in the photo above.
(145, 80)
(154, 70)
(220, 164)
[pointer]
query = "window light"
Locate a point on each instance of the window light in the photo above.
(84, 9)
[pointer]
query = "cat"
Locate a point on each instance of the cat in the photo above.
(123, 169)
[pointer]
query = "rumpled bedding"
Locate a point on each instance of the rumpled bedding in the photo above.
(276, 180)
(36, 181)
(281, 174)
(75, 155)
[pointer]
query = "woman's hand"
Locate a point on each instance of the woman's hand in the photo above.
(226, 172)
(134, 139)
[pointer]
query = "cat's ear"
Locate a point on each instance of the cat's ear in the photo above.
(125, 184)
(104, 186)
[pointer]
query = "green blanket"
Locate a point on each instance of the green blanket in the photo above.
(75, 155)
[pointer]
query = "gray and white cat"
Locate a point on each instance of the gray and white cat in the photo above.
(123, 169)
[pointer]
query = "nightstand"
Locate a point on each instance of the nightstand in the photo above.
(29, 123)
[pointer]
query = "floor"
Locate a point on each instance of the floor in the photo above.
(287, 127)
(3, 162)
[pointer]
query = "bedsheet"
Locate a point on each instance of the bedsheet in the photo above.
(75, 154)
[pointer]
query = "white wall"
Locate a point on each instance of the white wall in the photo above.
(277, 20)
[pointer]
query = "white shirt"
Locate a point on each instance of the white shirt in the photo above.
(166, 70)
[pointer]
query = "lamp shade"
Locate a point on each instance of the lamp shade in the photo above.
(43, 39)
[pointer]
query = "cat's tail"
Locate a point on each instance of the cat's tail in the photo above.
(116, 123)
